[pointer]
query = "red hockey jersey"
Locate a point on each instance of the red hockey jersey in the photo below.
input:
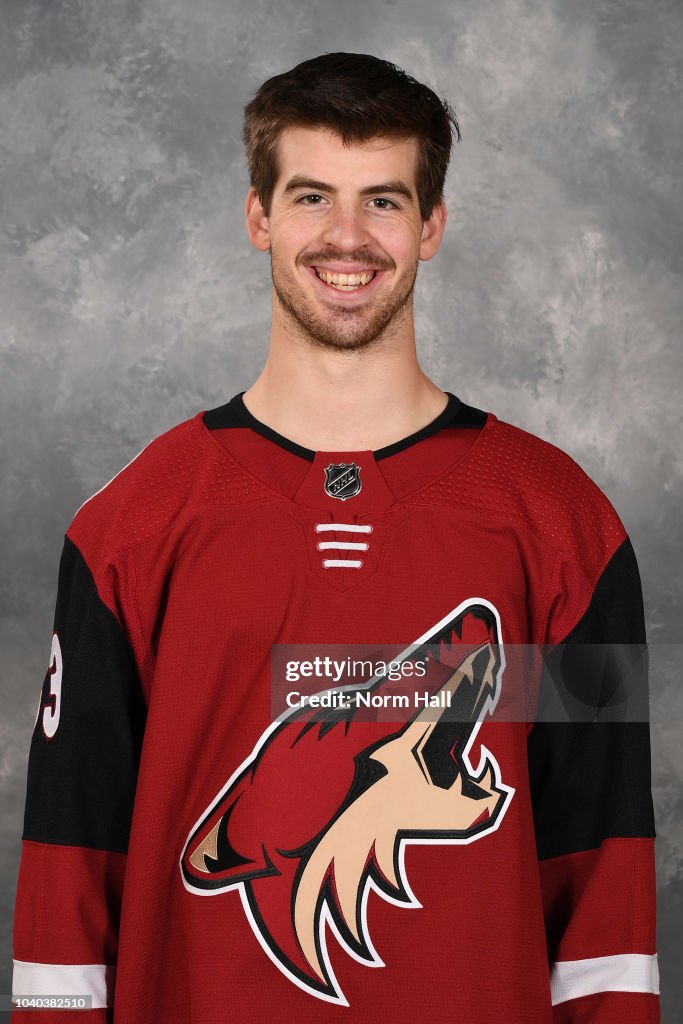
(188, 857)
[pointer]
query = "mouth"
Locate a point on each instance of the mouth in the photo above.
(341, 288)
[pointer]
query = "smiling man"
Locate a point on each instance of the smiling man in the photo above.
(197, 851)
(346, 215)
(345, 255)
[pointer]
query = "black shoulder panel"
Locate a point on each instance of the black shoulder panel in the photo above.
(224, 416)
(85, 748)
(590, 779)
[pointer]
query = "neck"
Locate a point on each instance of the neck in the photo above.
(353, 401)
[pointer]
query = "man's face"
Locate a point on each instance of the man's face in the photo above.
(323, 215)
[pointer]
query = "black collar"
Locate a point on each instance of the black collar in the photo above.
(235, 414)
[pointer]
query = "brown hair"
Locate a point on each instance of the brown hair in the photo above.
(359, 97)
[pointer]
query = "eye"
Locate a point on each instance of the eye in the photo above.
(316, 195)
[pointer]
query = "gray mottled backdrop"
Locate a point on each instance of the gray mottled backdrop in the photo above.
(131, 298)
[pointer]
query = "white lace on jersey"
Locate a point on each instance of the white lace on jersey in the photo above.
(346, 545)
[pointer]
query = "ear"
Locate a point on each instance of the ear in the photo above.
(432, 231)
(257, 222)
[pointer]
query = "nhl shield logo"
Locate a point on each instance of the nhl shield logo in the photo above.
(342, 480)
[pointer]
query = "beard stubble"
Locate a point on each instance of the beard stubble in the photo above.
(338, 327)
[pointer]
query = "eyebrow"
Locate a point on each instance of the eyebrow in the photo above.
(397, 187)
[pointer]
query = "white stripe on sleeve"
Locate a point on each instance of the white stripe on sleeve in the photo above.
(623, 972)
(96, 980)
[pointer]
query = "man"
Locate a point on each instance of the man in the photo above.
(202, 844)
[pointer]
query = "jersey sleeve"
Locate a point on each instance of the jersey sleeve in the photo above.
(82, 771)
(590, 781)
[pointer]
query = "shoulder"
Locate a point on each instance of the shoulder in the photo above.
(143, 496)
(540, 484)
(514, 481)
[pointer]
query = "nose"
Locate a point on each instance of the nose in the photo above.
(344, 229)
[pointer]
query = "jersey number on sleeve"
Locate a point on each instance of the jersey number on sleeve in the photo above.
(51, 710)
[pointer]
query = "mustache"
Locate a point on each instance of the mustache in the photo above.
(366, 261)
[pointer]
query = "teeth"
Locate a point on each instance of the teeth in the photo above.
(347, 281)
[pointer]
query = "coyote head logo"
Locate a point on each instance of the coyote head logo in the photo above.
(320, 812)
